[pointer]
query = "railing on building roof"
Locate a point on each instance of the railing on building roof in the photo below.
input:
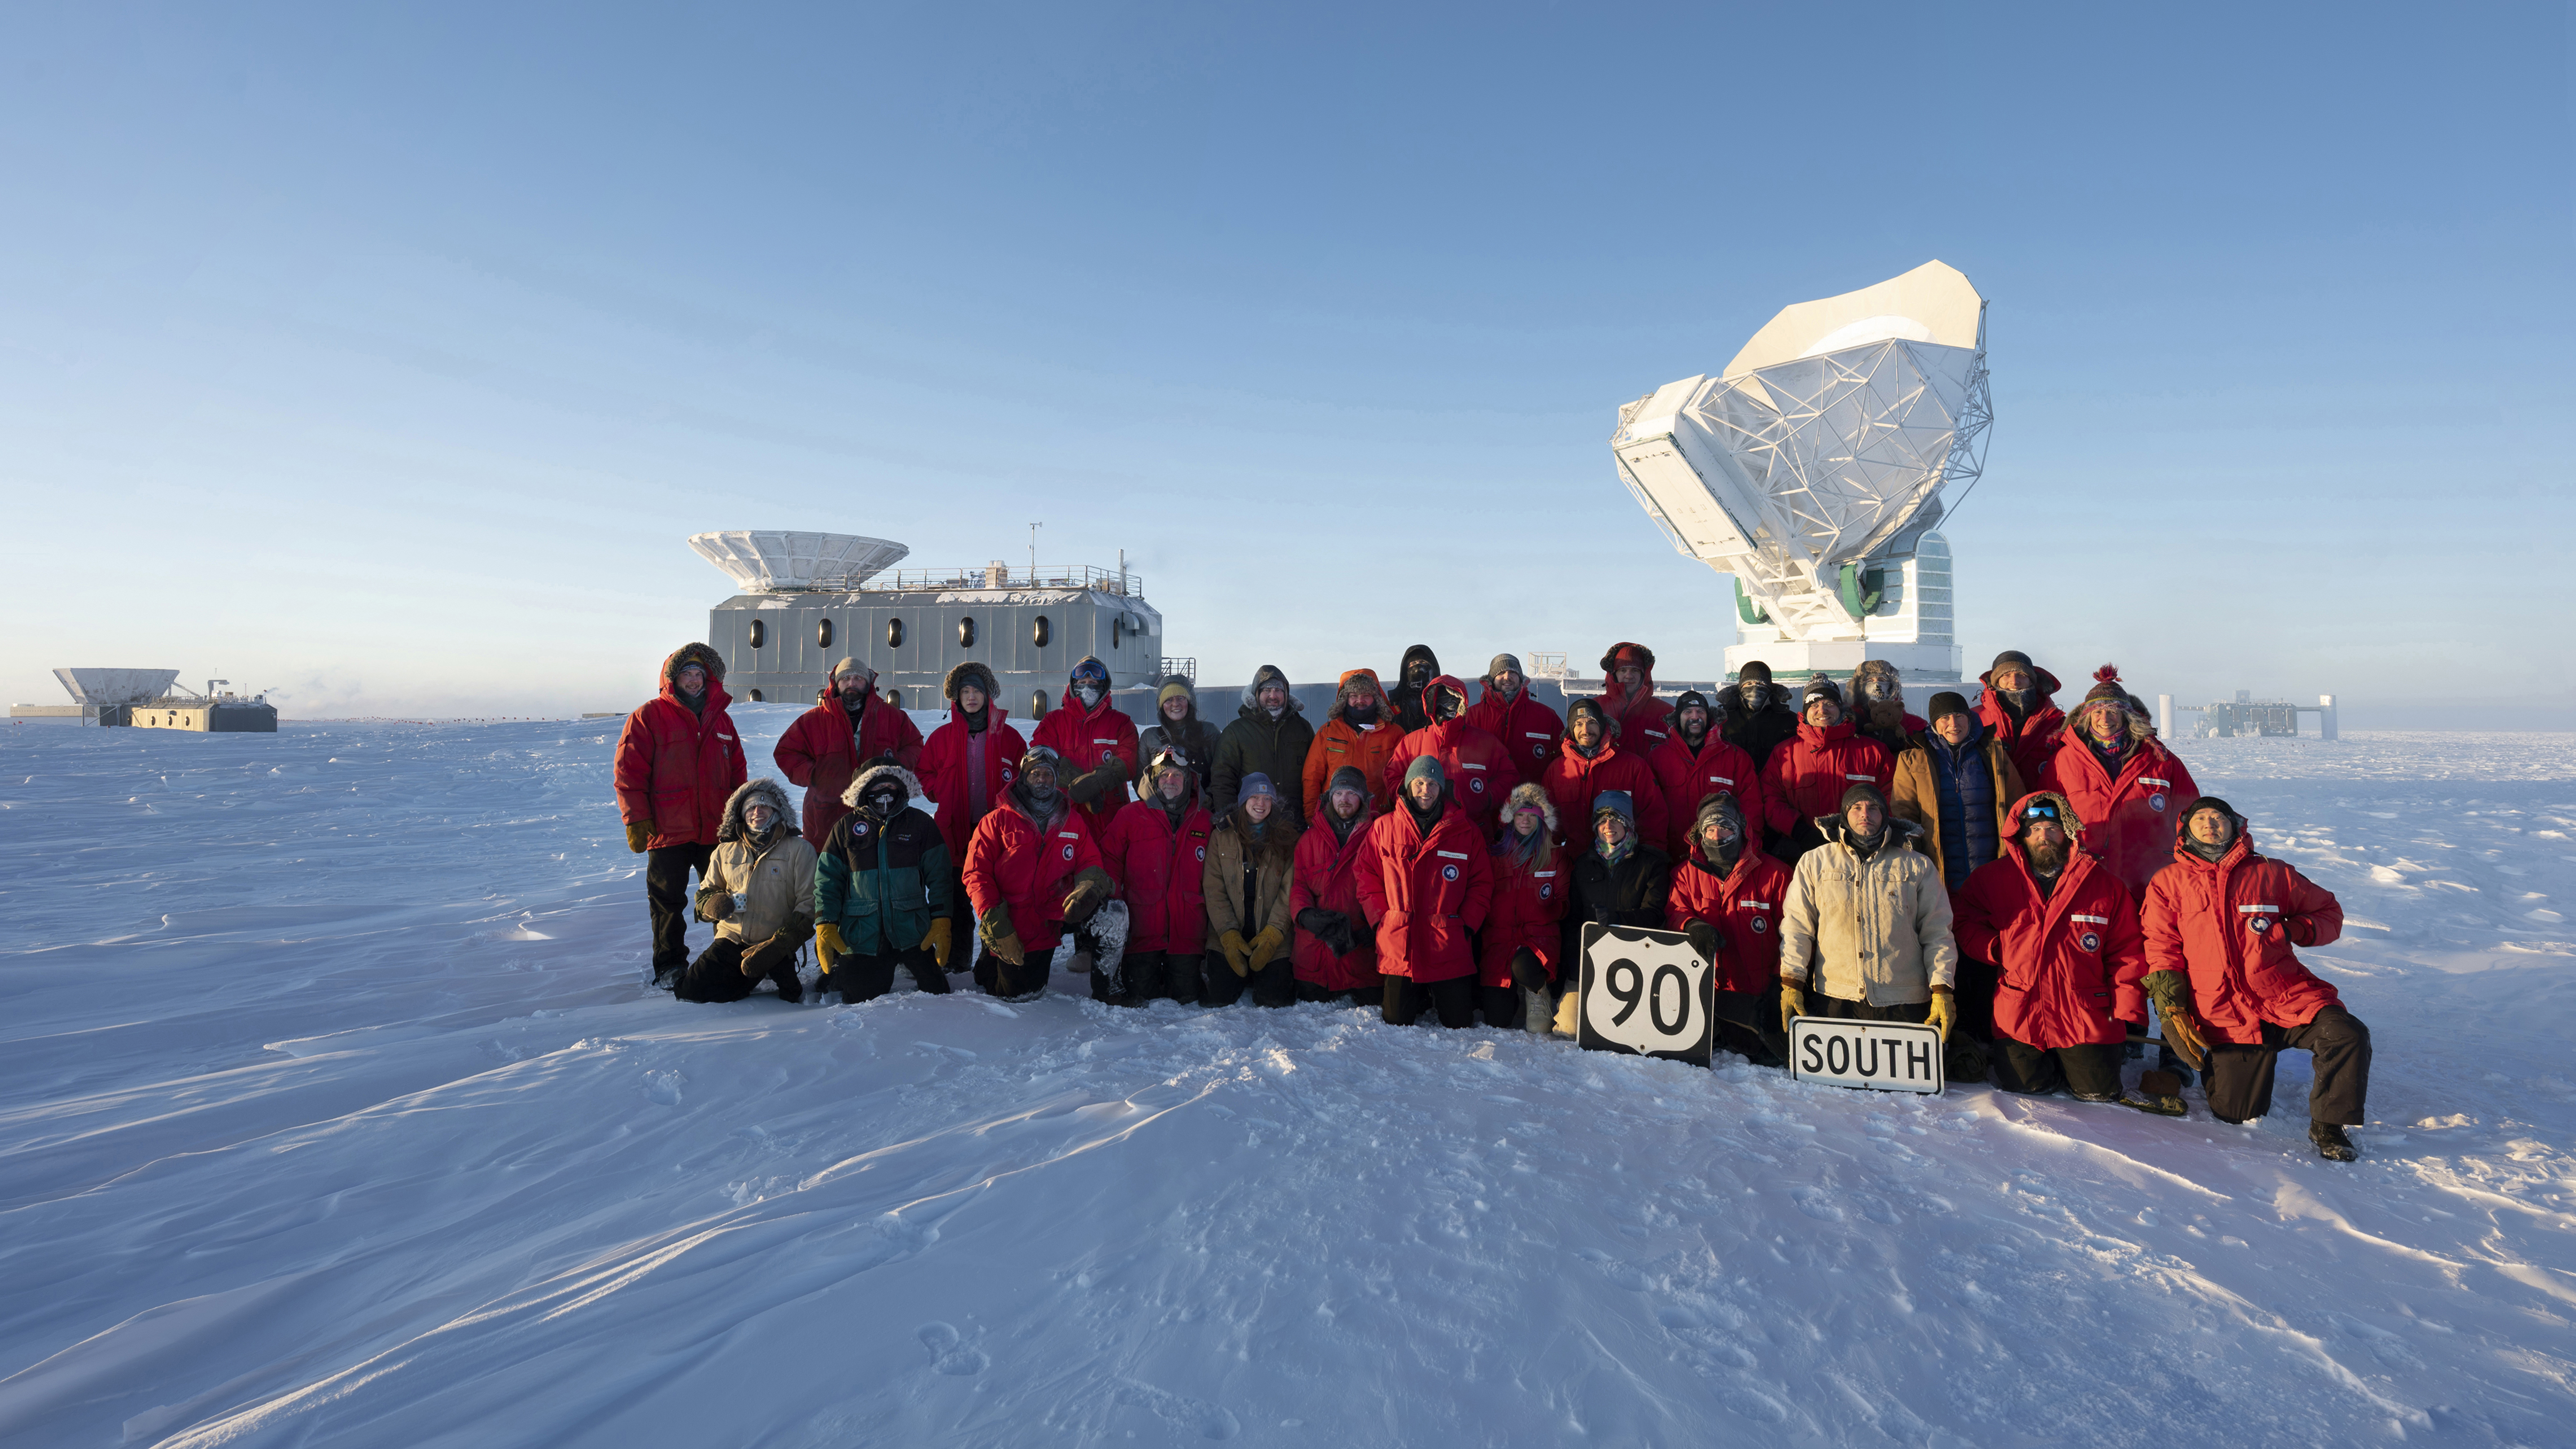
(994, 575)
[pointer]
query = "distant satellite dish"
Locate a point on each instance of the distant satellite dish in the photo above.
(777, 561)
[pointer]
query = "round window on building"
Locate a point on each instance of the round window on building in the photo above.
(1037, 703)
(759, 632)
(1038, 631)
(823, 634)
(755, 696)
(894, 697)
(966, 632)
(894, 633)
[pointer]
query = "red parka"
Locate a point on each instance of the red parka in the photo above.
(1811, 769)
(2229, 926)
(947, 774)
(2034, 740)
(821, 753)
(1528, 729)
(1160, 865)
(1481, 773)
(1644, 721)
(1008, 862)
(1743, 904)
(1573, 782)
(1084, 737)
(2128, 817)
(676, 767)
(1529, 905)
(1687, 776)
(1327, 874)
(2070, 960)
(1426, 892)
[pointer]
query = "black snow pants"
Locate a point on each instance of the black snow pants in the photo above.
(865, 978)
(2089, 1070)
(2239, 1078)
(720, 974)
(666, 893)
(1272, 985)
(1454, 998)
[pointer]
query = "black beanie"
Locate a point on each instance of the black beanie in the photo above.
(1948, 701)
(1753, 667)
(2013, 656)
(1863, 790)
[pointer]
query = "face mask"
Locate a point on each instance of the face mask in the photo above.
(883, 803)
(1088, 693)
(1879, 688)
(1755, 695)
(1361, 713)
(1417, 674)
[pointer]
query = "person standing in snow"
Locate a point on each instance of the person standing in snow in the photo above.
(678, 763)
(1269, 737)
(1867, 924)
(1157, 853)
(1758, 719)
(1478, 769)
(1594, 759)
(2221, 926)
(1522, 941)
(1696, 763)
(884, 890)
(1095, 745)
(1628, 698)
(1426, 886)
(1726, 897)
(1528, 729)
(2065, 934)
(1251, 858)
(2019, 705)
(1032, 869)
(1804, 784)
(824, 750)
(1358, 734)
(1177, 727)
(1959, 784)
(1418, 667)
(1334, 956)
(1878, 706)
(758, 889)
(2126, 787)
(1622, 879)
(972, 758)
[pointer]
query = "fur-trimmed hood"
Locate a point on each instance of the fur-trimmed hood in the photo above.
(1385, 705)
(1531, 793)
(1149, 788)
(911, 784)
(2065, 814)
(702, 655)
(740, 800)
(972, 672)
(1900, 831)
(1266, 674)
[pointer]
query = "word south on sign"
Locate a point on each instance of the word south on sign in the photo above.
(1879, 1056)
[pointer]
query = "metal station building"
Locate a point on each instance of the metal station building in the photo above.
(809, 600)
(150, 699)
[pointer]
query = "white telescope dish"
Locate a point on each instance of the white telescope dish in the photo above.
(1821, 451)
(778, 561)
(115, 686)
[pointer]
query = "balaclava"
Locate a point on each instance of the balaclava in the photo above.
(884, 797)
(1040, 802)
(1753, 685)
(1720, 807)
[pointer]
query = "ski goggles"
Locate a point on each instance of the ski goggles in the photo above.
(2044, 810)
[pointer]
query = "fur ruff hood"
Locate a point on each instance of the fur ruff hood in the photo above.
(1532, 793)
(972, 672)
(1267, 674)
(701, 655)
(1383, 708)
(740, 800)
(911, 784)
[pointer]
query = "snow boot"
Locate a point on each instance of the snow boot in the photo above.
(2331, 1144)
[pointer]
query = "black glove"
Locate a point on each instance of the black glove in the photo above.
(1343, 938)
(1109, 776)
(1703, 939)
(1320, 922)
(1527, 973)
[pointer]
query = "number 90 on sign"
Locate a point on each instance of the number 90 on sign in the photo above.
(1644, 991)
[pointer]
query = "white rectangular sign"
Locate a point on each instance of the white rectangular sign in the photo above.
(1881, 1056)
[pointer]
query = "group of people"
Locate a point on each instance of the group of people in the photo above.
(2026, 879)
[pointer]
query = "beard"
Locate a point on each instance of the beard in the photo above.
(2048, 859)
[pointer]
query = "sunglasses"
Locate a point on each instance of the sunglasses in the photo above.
(2040, 812)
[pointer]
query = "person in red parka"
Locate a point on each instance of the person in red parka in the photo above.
(2221, 924)
(1522, 939)
(1480, 772)
(827, 746)
(2063, 934)
(678, 761)
(1726, 897)
(1032, 869)
(1096, 743)
(1528, 729)
(1811, 769)
(1426, 886)
(1628, 698)
(1696, 763)
(2019, 705)
(972, 759)
(1878, 708)
(2126, 787)
(1592, 760)
(1334, 954)
(1157, 853)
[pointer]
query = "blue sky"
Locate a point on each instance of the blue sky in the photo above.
(386, 357)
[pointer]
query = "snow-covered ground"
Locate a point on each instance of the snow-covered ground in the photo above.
(333, 1111)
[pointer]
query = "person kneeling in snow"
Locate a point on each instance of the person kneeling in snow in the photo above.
(2220, 924)
(1727, 895)
(884, 892)
(1031, 870)
(2063, 935)
(1868, 919)
(758, 889)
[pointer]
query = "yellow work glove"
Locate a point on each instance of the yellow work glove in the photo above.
(1238, 956)
(936, 938)
(999, 937)
(1265, 946)
(2171, 992)
(638, 832)
(827, 939)
(1793, 1004)
(1943, 1013)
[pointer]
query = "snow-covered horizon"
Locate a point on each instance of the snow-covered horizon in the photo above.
(337, 1112)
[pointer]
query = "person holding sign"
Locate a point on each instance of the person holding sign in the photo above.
(1521, 942)
(1426, 885)
(2065, 936)
(2220, 924)
(1868, 921)
(1726, 897)
(1621, 881)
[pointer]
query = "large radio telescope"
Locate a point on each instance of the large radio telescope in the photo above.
(1822, 450)
(778, 560)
